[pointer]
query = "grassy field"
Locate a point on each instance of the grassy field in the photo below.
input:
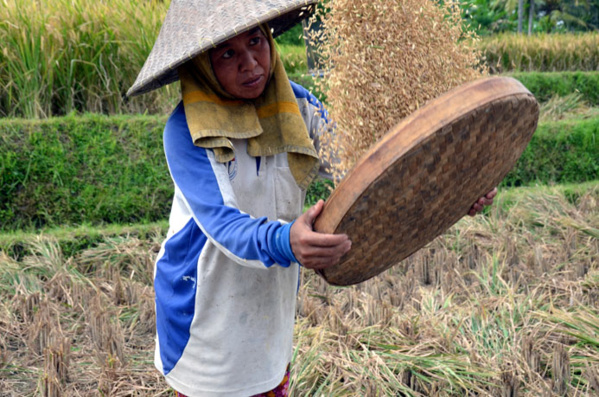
(503, 304)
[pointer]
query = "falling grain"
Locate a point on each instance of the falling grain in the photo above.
(383, 60)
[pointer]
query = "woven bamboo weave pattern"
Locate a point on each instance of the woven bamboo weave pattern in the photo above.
(424, 175)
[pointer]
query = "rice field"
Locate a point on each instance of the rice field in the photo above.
(503, 304)
(63, 56)
(541, 52)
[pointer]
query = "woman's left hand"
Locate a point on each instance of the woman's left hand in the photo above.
(485, 200)
(316, 250)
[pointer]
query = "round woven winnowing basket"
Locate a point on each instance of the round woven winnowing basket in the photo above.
(425, 174)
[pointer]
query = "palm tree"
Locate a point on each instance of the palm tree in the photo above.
(510, 7)
(531, 13)
(572, 13)
(520, 15)
(582, 14)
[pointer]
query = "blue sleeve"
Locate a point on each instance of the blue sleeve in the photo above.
(319, 124)
(283, 242)
(302, 93)
(249, 241)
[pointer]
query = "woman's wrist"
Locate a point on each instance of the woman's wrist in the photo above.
(283, 242)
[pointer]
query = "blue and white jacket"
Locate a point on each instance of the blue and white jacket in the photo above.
(225, 278)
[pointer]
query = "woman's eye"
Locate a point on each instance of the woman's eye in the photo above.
(228, 54)
(255, 40)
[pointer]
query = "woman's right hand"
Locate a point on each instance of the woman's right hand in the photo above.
(316, 250)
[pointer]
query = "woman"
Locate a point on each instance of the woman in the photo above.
(227, 275)
(240, 151)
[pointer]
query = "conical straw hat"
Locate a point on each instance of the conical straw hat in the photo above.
(193, 26)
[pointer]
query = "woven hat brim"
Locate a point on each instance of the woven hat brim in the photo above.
(191, 28)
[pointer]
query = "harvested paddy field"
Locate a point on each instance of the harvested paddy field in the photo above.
(503, 304)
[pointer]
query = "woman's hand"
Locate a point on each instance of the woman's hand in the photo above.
(316, 250)
(487, 199)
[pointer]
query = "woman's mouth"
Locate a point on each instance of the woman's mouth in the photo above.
(253, 82)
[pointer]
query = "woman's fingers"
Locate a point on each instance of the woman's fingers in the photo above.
(316, 261)
(316, 250)
(310, 216)
(312, 239)
(491, 194)
(480, 204)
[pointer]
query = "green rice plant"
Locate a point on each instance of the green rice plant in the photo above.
(95, 169)
(62, 56)
(546, 85)
(558, 107)
(549, 157)
(294, 58)
(10, 274)
(542, 52)
(292, 37)
(75, 240)
(582, 324)
(69, 159)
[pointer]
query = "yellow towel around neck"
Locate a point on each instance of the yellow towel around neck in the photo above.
(271, 123)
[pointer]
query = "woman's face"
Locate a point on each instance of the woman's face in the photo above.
(242, 64)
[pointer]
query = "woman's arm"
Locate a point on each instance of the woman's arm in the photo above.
(205, 191)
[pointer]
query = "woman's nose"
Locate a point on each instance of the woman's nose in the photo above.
(248, 61)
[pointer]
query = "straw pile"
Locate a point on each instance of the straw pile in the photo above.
(383, 60)
(501, 305)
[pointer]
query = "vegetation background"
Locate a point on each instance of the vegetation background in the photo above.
(503, 304)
